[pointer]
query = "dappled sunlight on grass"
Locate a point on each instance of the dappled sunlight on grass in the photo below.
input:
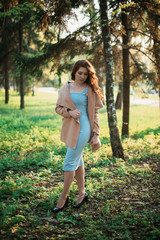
(123, 195)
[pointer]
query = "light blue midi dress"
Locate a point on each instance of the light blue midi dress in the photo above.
(74, 158)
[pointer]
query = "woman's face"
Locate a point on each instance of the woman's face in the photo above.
(81, 75)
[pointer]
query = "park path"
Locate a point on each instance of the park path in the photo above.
(144, 101)
(133, 100)
(46, 89)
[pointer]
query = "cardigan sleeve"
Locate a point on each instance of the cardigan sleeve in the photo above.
(96, 122)
(61, 108)
(98, 105)
(63, 111)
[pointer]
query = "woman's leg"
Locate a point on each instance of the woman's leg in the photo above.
(68, 178)
(79, 175)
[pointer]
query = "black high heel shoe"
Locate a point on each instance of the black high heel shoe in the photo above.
(85, 199)
(56, 209)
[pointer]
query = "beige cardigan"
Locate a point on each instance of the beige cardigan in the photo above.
(70, 126)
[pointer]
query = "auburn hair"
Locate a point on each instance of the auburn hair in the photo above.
(92, 79)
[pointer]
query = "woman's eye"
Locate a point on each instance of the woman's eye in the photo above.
(80, 73)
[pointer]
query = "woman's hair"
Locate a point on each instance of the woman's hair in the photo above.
(92, 79)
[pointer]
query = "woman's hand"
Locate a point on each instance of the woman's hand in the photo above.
(94, 140)
(75, 113)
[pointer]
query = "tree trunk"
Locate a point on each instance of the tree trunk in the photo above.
(21, 72)
(156, 49)
(126, 77)
(5, 39)
(33, 89)
(6, 78)
(116, 145)
(59, 78)
(59, 59)
(119, 98)
(17, 84)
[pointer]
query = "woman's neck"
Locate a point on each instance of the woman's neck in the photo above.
(79, 84)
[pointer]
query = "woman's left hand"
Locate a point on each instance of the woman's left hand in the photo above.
(94, 140)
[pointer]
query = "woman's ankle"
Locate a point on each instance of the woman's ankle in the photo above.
(61, 201)
(63, 197)
(81, 193)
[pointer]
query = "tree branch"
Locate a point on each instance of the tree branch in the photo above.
(138, 49)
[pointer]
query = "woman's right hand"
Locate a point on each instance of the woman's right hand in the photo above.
(75, 113)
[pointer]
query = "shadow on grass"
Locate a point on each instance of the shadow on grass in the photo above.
(35, 162)
(145, 132)
(5, 110)
(43, 118)
(40, 106)
(105, 140)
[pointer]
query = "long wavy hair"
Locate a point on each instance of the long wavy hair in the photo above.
(92, 79)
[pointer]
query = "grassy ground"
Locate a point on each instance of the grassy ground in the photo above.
(123, 195)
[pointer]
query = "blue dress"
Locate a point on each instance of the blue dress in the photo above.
(74, 158)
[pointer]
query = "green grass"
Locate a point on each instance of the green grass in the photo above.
(123, 195)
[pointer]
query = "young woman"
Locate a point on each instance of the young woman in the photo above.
(78, 104)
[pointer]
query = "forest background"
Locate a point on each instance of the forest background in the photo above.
(38, 48)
